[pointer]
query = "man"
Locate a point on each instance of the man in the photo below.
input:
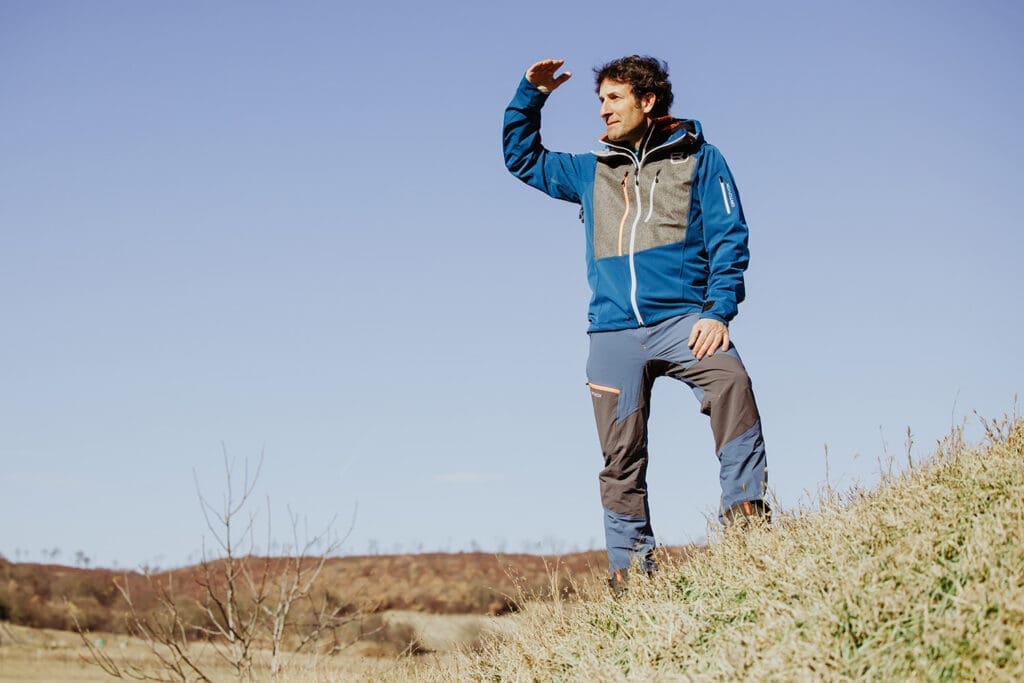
(666, 250)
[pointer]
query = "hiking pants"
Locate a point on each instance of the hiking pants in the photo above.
(621, 370)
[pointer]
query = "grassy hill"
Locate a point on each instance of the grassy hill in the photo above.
(919, 579)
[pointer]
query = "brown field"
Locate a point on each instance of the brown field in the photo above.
(33, 654)
(38, 595)
(436, 605)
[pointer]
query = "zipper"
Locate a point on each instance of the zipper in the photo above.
(669, 143)
(725, 196)
(632, 243)
(637, 165)
(622, 151)
(650, 199)
(625, 212)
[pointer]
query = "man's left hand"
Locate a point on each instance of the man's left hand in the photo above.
(708, 336)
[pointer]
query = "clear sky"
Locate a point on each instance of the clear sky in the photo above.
(287, 228)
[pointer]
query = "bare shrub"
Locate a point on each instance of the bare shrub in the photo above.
(390, 639)
(254, 613)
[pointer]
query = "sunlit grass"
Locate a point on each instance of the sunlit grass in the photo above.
(921, 578)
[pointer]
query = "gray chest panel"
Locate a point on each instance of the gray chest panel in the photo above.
(644, 214)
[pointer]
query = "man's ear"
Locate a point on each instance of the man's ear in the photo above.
(647, 102)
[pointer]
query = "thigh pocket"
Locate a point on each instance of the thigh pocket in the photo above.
(623, 479)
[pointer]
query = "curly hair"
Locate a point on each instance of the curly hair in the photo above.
(644, 75)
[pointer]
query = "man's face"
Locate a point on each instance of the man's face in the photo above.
(626, 118)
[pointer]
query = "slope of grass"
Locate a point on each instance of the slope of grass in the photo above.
(920, 579)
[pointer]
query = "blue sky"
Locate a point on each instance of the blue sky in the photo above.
(287, 228)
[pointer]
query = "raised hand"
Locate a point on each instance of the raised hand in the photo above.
(542, 74)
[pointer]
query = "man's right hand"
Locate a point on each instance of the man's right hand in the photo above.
(542, 74)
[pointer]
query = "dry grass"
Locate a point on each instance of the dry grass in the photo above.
(33, 654)
(921, 579)
(447, 583)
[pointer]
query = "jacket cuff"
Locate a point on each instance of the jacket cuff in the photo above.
(535, 95)
(714, 310)
(714, 316)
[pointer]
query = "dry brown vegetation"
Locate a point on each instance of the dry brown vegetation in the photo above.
(391, 606)
(29, 654)
(34, 595)
(465, 583)
(265, 616)
(438, 583)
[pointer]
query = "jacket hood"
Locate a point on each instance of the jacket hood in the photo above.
(665, 130)
(668, 127)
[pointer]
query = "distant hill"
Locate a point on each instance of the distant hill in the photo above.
(38, 595)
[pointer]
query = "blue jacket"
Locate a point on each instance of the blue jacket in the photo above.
(665, 229)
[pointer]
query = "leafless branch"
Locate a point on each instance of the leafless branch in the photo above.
(246, 603)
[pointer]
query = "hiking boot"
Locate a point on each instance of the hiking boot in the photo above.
(619, 580)
(750, 514)
(617, 583)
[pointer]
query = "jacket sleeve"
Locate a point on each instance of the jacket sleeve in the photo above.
(725, 237)
(555, 173)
